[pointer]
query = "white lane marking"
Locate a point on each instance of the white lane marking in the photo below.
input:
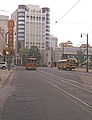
(71, 95)
(68, 82)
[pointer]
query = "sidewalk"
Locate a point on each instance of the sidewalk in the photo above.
(83, 70)
(4, 74)
(86, 78)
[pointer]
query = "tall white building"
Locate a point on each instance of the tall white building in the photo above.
(32, 26)
(53, 42)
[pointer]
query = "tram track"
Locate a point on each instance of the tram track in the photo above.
(77, 92)
(69, 81)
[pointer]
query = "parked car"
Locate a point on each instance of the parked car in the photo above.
(3, 65)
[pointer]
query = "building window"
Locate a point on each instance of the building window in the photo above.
(43, 18)
(21, 18)
(27, 16)
(21, 26)
(27, 42)
(21, 30)
(21, 10)
(21, 14)
(20, 34)
(20, 38)
(21, 22)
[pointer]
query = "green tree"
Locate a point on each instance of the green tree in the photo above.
(24, 53)
(34, 51)
(80, 57)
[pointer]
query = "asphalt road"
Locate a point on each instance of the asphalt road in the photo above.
(46, 94)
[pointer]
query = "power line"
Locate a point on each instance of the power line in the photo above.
(81, 23)
(66, 13)
(4, 10)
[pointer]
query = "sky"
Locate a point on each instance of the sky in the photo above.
(68, 26)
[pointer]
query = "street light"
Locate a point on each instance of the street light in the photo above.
(87, 50)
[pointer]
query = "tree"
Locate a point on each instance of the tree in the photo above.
(80, 57)
(24, 53)
(34, 51)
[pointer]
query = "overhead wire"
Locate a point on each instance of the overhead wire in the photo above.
(66, 13)
(4, 10)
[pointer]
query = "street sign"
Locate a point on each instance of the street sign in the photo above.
(11, 35)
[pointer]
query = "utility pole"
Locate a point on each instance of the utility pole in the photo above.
(87, 54)
(87, 51)
(63, 51)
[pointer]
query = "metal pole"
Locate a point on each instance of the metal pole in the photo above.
(63, 51)
(87, 55)
(9, 54)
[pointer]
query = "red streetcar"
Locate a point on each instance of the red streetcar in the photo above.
(31, 63)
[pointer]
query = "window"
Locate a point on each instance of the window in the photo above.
(27, 42)
(20, 34)
(21, 18)
(21, 14)
(43, 18)
(21, 30)
(20, 38)
(27, 16)
(21, 10)
(21, 26)
(21, 22)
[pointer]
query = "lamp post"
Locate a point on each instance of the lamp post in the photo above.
(87, 51)
(63, 51)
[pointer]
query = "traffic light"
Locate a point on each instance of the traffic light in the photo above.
(7, 52)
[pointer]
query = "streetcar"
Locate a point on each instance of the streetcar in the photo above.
(31, 63)
(67, 64)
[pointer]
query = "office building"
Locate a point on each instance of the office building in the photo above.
(32, 27)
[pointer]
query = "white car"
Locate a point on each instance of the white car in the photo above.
(3, 65)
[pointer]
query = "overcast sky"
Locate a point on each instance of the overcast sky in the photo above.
(70, 27)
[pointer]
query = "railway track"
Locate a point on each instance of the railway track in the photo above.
(76, 92)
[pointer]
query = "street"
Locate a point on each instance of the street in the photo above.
(46, 94)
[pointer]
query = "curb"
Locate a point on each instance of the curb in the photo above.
(6, 79)
(83, 70)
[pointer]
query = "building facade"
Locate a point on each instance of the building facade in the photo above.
(51, 57)
(54, 42)
(3, 30)
(32, 27)
(4, 22)
(2, 40)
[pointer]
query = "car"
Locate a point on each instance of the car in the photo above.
(3, 65)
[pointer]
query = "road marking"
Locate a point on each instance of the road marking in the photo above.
(84, 103)
(69, 82)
